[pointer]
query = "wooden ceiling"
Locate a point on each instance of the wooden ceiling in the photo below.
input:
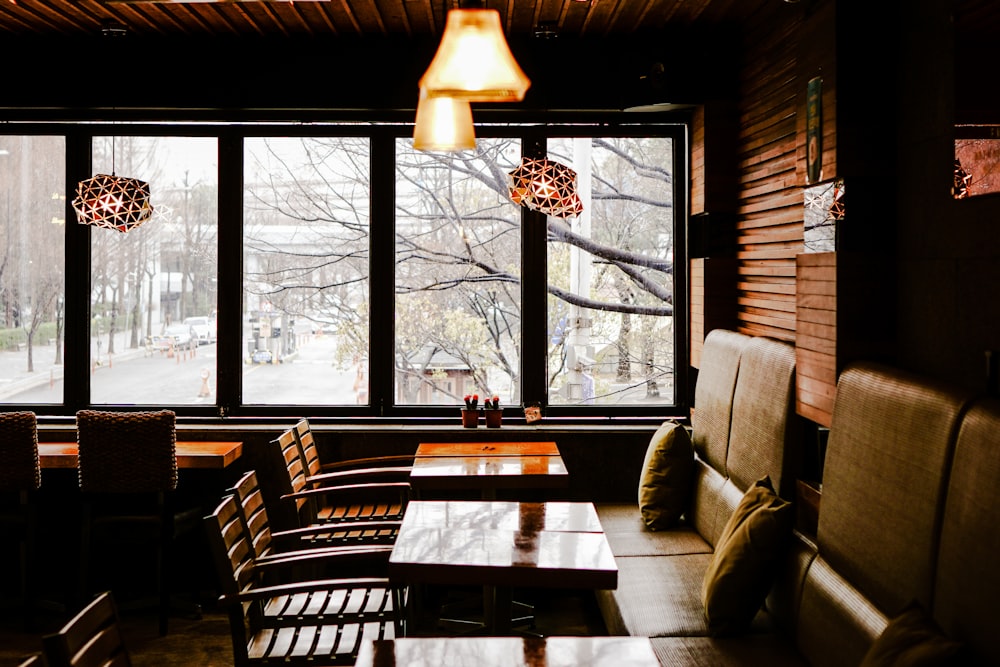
(360, 18)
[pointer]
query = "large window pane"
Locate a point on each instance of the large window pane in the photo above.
(153, 289)
(611, 320)
(458, 275)
(32, 224)
(305, 280)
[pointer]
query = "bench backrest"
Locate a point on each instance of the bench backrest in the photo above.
(884, 483)
(968, 579)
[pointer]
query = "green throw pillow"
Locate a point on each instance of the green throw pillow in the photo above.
(667, 476)
(742, 567)
(912, 639)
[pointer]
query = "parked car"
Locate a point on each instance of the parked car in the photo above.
(178, 336)
(204, 329)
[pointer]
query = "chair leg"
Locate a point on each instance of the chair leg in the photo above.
(164, 563)
(83, 575)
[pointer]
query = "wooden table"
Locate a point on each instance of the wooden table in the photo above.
(487, 449)
(462, 542)
(504, 515)
(509, 652)
(190, 454)
(488, 466)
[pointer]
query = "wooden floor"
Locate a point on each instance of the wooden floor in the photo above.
(205, 642)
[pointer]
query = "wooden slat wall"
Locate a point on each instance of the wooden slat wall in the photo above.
(769, 228)
(816, 336)
(712, 286)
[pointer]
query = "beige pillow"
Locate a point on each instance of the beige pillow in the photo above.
(742, 567)
(667, 476)
(912, 639)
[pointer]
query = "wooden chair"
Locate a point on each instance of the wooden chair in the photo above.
(267, 543)
(348, 496)
(92, 638)
(304, 622)
(20, 478)
(393, 467)
(128, 477)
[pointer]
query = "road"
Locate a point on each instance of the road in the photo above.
(307, 378)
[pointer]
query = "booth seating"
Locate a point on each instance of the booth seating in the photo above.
(744, 428)
(905, 543)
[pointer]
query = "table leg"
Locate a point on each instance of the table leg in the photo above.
(498, 608)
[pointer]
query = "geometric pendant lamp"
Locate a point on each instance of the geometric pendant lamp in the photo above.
(546, 186)
(112, 202)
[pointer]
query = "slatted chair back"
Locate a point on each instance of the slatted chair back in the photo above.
(315, 465)
(309, 622)
(291, 479)
(254, 513)
(307, 448)
(92, 638)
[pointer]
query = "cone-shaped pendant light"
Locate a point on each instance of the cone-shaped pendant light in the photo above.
(443, 124)
(473, 61)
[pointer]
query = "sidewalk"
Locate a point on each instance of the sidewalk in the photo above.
(14, 375)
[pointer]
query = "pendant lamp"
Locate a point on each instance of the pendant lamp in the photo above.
(112, 202)
(443, 124)
(546, 186)
(473, 61)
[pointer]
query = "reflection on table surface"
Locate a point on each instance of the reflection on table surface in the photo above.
(487, 449)
(463, 556)
(487, 466)
(509, 652)
(506, 515)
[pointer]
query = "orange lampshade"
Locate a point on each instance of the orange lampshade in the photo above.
(473, 61)
(443, 124)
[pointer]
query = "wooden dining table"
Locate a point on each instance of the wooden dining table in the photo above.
(501, 546)
(453, 449)
(197, 454)
(487, 467)
(552, 651)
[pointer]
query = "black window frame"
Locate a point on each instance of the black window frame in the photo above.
(532, 132)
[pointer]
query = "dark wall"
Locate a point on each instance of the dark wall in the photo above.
(949, 250)
(235, 75)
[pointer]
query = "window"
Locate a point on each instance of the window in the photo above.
(305, 269)
(611, 305)
(147, 283)
(337, 268)
(458, 275)
(32, 278)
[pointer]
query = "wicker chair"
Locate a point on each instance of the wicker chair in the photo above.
(128, 476)
(20, 477)
(92, 638)
(305, 621)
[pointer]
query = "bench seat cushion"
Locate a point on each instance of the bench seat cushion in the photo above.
(661, 596)
(772, 649)
(628, 535)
